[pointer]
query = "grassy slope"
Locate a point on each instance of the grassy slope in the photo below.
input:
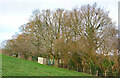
(19, 67)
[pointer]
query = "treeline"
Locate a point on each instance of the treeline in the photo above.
(84, 39)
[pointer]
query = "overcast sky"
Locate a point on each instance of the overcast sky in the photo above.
(14, 13)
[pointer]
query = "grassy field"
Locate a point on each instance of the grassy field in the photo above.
(18, 67)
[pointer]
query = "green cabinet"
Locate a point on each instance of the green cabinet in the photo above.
(51, 61)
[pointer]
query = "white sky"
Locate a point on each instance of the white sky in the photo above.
(14, 13)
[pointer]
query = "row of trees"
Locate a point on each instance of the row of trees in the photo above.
(84, 39)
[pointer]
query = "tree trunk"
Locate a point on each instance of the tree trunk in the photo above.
(97, 73)
(83, 70)
(105, 73)
(90, 71)
(21, 56)
(30, 58)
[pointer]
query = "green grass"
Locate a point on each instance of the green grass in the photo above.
(19, 67)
